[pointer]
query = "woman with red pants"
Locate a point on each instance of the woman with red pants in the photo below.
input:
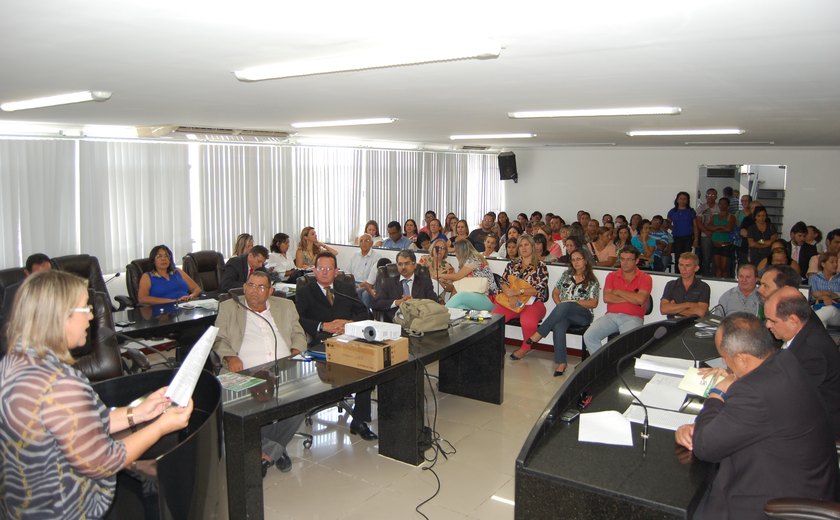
(528, 297)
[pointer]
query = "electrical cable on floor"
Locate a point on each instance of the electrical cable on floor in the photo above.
(437, 444)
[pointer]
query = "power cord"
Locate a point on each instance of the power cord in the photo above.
(436, 443)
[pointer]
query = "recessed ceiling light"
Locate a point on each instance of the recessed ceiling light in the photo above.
(375, 58)
(345, 122)
(60, 99)
(716, 131)
(597, 112)
(491, 136)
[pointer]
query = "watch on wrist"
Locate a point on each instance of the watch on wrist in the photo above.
(719, 392)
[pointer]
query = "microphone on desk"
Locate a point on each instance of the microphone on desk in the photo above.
(116, 275)
(352, 298)
(271, 328)
(658, 334)
(107, 332)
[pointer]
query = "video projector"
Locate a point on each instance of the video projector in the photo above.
(373, 330)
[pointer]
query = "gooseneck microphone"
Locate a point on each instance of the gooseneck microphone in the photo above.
(351, 298)
(658, 334)
(116, 275)
(260, 316)
(107, 332)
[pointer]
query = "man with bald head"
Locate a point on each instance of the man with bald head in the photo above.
(790, 319)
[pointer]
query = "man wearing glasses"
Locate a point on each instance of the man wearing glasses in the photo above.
(325, 307)
(247, 334)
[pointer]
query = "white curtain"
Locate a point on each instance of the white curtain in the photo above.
(133, 196)
(37, 199)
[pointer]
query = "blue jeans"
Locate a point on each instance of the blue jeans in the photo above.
(561, 317)
(364, 296)
(609, 323)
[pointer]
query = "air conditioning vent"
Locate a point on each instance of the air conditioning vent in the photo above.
(472, 147)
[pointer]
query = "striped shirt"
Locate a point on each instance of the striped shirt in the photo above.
(57, 459)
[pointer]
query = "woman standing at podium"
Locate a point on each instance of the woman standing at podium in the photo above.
(57, 456)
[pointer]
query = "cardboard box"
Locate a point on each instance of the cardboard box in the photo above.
(372, 357)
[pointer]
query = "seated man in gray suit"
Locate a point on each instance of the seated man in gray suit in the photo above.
(764, 424)
(395, 291)
(257, 331)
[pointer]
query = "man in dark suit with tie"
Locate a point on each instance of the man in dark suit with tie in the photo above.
(407, 285)
(790, 319)
(325, 308)
(764, 424)
(239, 268)
(798, 249)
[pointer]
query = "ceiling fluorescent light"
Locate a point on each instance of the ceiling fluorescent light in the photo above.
(716, 131)
(597, 112)
(580, 144)
(375, 58)
(345, 122)
(745, 143)
(354, 143)
(490, 136)
(61, 99)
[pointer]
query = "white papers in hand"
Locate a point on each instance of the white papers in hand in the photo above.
(606, 428)
(181, 388)
(664, 419)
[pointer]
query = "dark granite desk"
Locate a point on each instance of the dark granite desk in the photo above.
(159, 320)
(471, 356)
(558, 476)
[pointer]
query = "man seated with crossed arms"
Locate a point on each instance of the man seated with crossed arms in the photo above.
(686, 296)
(246, 338)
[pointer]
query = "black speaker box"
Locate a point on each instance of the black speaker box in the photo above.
(507, 167)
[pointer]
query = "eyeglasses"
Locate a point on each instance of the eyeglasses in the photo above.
(87, 309)
(324, 269)
(260, 287)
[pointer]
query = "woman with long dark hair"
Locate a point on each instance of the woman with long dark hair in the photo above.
(575, 296)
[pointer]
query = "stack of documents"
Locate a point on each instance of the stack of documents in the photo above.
(647, 366)
(206, 303)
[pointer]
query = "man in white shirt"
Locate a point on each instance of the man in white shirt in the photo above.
(363, 268)
(260, 330)
(744, 297)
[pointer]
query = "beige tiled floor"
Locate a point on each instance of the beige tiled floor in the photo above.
(342, 477)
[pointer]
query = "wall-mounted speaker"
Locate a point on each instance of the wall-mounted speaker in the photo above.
(507, 167)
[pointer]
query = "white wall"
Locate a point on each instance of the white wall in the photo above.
(645, 180)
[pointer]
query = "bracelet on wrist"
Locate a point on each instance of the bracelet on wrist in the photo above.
(129, 415)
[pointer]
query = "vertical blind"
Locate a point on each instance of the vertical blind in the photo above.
(116, 199)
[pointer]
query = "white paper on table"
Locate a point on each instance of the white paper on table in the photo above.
(664, 365)
(664, 419)
(181, 388)
(662, 396)
(608, 427)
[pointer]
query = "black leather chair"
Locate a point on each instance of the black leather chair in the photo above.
(10, 277)
(88, 268)
(383, 273)
(99, 359)
(133, 272)
(205, 267)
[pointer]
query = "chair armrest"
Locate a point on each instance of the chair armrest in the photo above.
(801, 508)
(124, 302)
(214, 362)
(139, 359)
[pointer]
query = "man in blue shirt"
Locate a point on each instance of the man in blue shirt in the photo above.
(395, 239)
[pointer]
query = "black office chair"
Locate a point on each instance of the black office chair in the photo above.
(388, 270)
(133, 272)
(88, 268)
(803, 508)
(99, 359)
(205, 267)
(10, 277)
